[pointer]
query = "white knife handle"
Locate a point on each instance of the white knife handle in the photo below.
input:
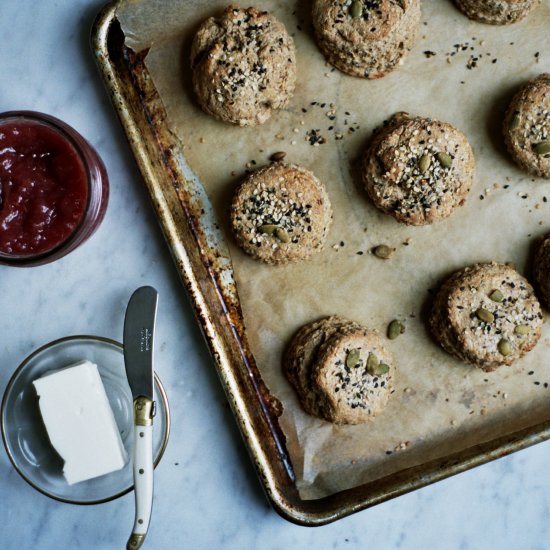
(143, 470)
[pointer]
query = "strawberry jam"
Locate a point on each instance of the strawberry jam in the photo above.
(47, 187)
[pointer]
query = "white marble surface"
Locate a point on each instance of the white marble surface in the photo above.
(207, 495)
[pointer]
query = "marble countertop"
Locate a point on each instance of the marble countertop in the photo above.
(206, 493)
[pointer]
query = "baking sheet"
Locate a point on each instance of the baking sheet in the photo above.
(439, 405)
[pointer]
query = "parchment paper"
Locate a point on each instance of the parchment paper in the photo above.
(439, 404)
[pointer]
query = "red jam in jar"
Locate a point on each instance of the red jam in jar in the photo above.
(53, 188)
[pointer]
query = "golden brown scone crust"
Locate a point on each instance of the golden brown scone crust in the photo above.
(280, 214)
(457, 320)
(370, 44)
(496, 12)
(328, 385)
(542, 269)
(418, 170)
(526, 126)
(244, 66)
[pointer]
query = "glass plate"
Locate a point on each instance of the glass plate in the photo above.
(24, 433)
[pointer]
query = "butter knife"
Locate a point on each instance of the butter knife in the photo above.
(139, 330)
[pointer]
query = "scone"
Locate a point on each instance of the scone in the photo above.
(244, 66)
(542, 269)
(487, 315)
(340, 370)
(527, 126)
(418, 170)
(365, 38)
(496, 12)
(281, 213)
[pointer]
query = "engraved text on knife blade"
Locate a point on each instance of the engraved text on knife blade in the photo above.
(145, 340)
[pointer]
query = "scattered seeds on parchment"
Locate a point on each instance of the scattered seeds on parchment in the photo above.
(395, 329)
(277, 156)
(383, 251)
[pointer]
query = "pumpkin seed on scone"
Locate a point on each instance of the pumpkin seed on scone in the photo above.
(542, 269)
(281, 213)
(418, 170)
(487, 315)
(365, 38)
(496, 12)
(527, 126)
(244, 66)
(340, 370)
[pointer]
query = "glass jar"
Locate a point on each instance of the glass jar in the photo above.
(53, 189)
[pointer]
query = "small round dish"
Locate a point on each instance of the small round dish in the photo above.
(24, 433)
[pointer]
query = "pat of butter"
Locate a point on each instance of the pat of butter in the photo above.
(80, 422)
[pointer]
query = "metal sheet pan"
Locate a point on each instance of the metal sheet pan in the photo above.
(203, 262)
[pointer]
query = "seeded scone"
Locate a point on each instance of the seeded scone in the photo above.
(340, 370)
(496, 12)
(527, 126)
(244, 66)
(365, 38)
(487, 315)
(542, 269)
(281, 213)
(418, 170)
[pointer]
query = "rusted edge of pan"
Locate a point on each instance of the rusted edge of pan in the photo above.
(203, 263)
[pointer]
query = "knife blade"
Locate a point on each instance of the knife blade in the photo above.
(139, 332)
